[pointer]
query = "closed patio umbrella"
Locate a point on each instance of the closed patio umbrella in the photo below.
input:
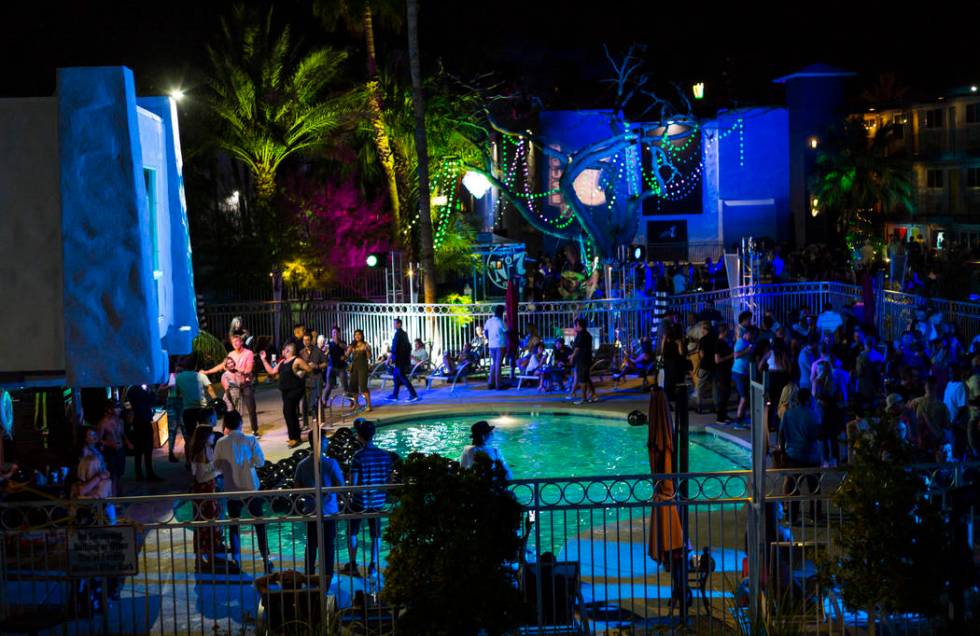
(667, 545)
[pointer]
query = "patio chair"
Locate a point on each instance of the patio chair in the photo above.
(562, 606)
(441, 374)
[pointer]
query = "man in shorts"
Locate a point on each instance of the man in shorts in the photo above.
(370, 466)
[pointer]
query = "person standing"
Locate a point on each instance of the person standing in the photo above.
(482, 433)
(740, 370)
(291, 369)
(800, 439)
(370, 466)
(175, 420)
(112, 436)
(336, 365)
(496, 332)
(194, 389)
(359, 353)
(312, 356)
(245, 367)
(330, 477)
(236, 456)
(207, 539)
(722, 389)
(401, 362)
(299, 330)
(140, 401)
(582, 361)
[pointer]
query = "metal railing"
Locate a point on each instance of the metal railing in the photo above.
(784, 300)
(448, 327)
(599, 527)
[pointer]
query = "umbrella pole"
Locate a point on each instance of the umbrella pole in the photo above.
(682, 433)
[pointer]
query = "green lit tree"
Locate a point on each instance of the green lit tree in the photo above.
(856, 176)
(359, 17)
(272, 98)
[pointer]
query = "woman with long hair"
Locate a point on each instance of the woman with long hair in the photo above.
(291, 370)
(207, 540)
(777, 362)
(358, 354)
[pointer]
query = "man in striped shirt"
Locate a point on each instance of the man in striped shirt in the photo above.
(370, 466)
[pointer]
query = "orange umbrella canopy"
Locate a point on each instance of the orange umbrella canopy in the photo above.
(666, 534)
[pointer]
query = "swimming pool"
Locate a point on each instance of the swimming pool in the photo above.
(556, 444)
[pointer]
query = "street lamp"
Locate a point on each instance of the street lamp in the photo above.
(177, 94)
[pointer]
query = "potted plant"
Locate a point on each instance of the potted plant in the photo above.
(454, 535)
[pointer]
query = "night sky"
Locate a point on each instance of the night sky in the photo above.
(541, 46)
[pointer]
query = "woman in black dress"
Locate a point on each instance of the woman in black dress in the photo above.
(291, 370)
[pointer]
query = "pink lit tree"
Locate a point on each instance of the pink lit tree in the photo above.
(337, 227)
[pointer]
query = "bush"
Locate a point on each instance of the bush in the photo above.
(452, 534)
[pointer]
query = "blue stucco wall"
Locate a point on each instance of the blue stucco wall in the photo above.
(179, 331)
(752, 196)
(112, 331)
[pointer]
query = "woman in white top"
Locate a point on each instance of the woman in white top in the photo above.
(207, 539)
(482, 432)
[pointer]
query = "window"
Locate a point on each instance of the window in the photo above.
(973, 113)
(934, 118)
(150, 179)
(973, 177)
(935, 179)
(898, 125)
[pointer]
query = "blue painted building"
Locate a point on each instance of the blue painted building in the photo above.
(738, 185)
(95, 236)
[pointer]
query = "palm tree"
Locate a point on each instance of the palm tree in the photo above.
(358, 17)
(855, 175)
(272, 99)
(421, 149)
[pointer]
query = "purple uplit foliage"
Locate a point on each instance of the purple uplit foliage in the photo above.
(338, 224)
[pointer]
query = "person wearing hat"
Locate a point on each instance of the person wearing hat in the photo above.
(482, 432)
(370, 466)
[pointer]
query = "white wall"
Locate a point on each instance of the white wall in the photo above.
(31, 260)
(154, 158)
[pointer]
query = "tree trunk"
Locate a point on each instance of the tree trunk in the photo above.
(382, 143)
(421, 147)
(265, 186)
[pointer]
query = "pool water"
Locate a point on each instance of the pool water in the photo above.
(539, 445)
(550, 445)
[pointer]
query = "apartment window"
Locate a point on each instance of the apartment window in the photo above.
(935, 179)
(972, 114)
(973, 177)
(934, 118)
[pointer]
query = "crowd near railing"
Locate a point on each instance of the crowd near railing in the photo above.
(446, 327)
(140, 574)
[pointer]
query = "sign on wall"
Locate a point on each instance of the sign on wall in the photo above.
(102, 551)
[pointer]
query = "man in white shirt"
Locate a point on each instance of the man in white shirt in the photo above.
(236, 456)
(496, 332)
(955, 395)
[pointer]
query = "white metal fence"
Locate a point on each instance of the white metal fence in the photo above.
(447, 327)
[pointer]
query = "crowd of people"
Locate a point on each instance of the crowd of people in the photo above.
(836, 369)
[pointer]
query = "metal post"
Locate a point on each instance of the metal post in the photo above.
(321, 568)
(757, 508)
(682, 434)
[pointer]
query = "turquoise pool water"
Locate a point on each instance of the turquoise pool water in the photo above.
(548, 445)
(551, 444)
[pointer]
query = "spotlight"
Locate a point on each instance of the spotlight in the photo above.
(373, 260)
(476, 184)
(177, 94)
(638, 253)
(637, 418)
(698, 90)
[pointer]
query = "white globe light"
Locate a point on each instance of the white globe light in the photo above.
(476, 184)
(586, 186)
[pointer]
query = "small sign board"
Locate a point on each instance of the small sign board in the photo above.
(102, 551)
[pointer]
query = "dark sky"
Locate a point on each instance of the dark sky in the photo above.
(554, 50)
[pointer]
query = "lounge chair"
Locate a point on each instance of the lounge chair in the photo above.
(561, 608)
(442, 374)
